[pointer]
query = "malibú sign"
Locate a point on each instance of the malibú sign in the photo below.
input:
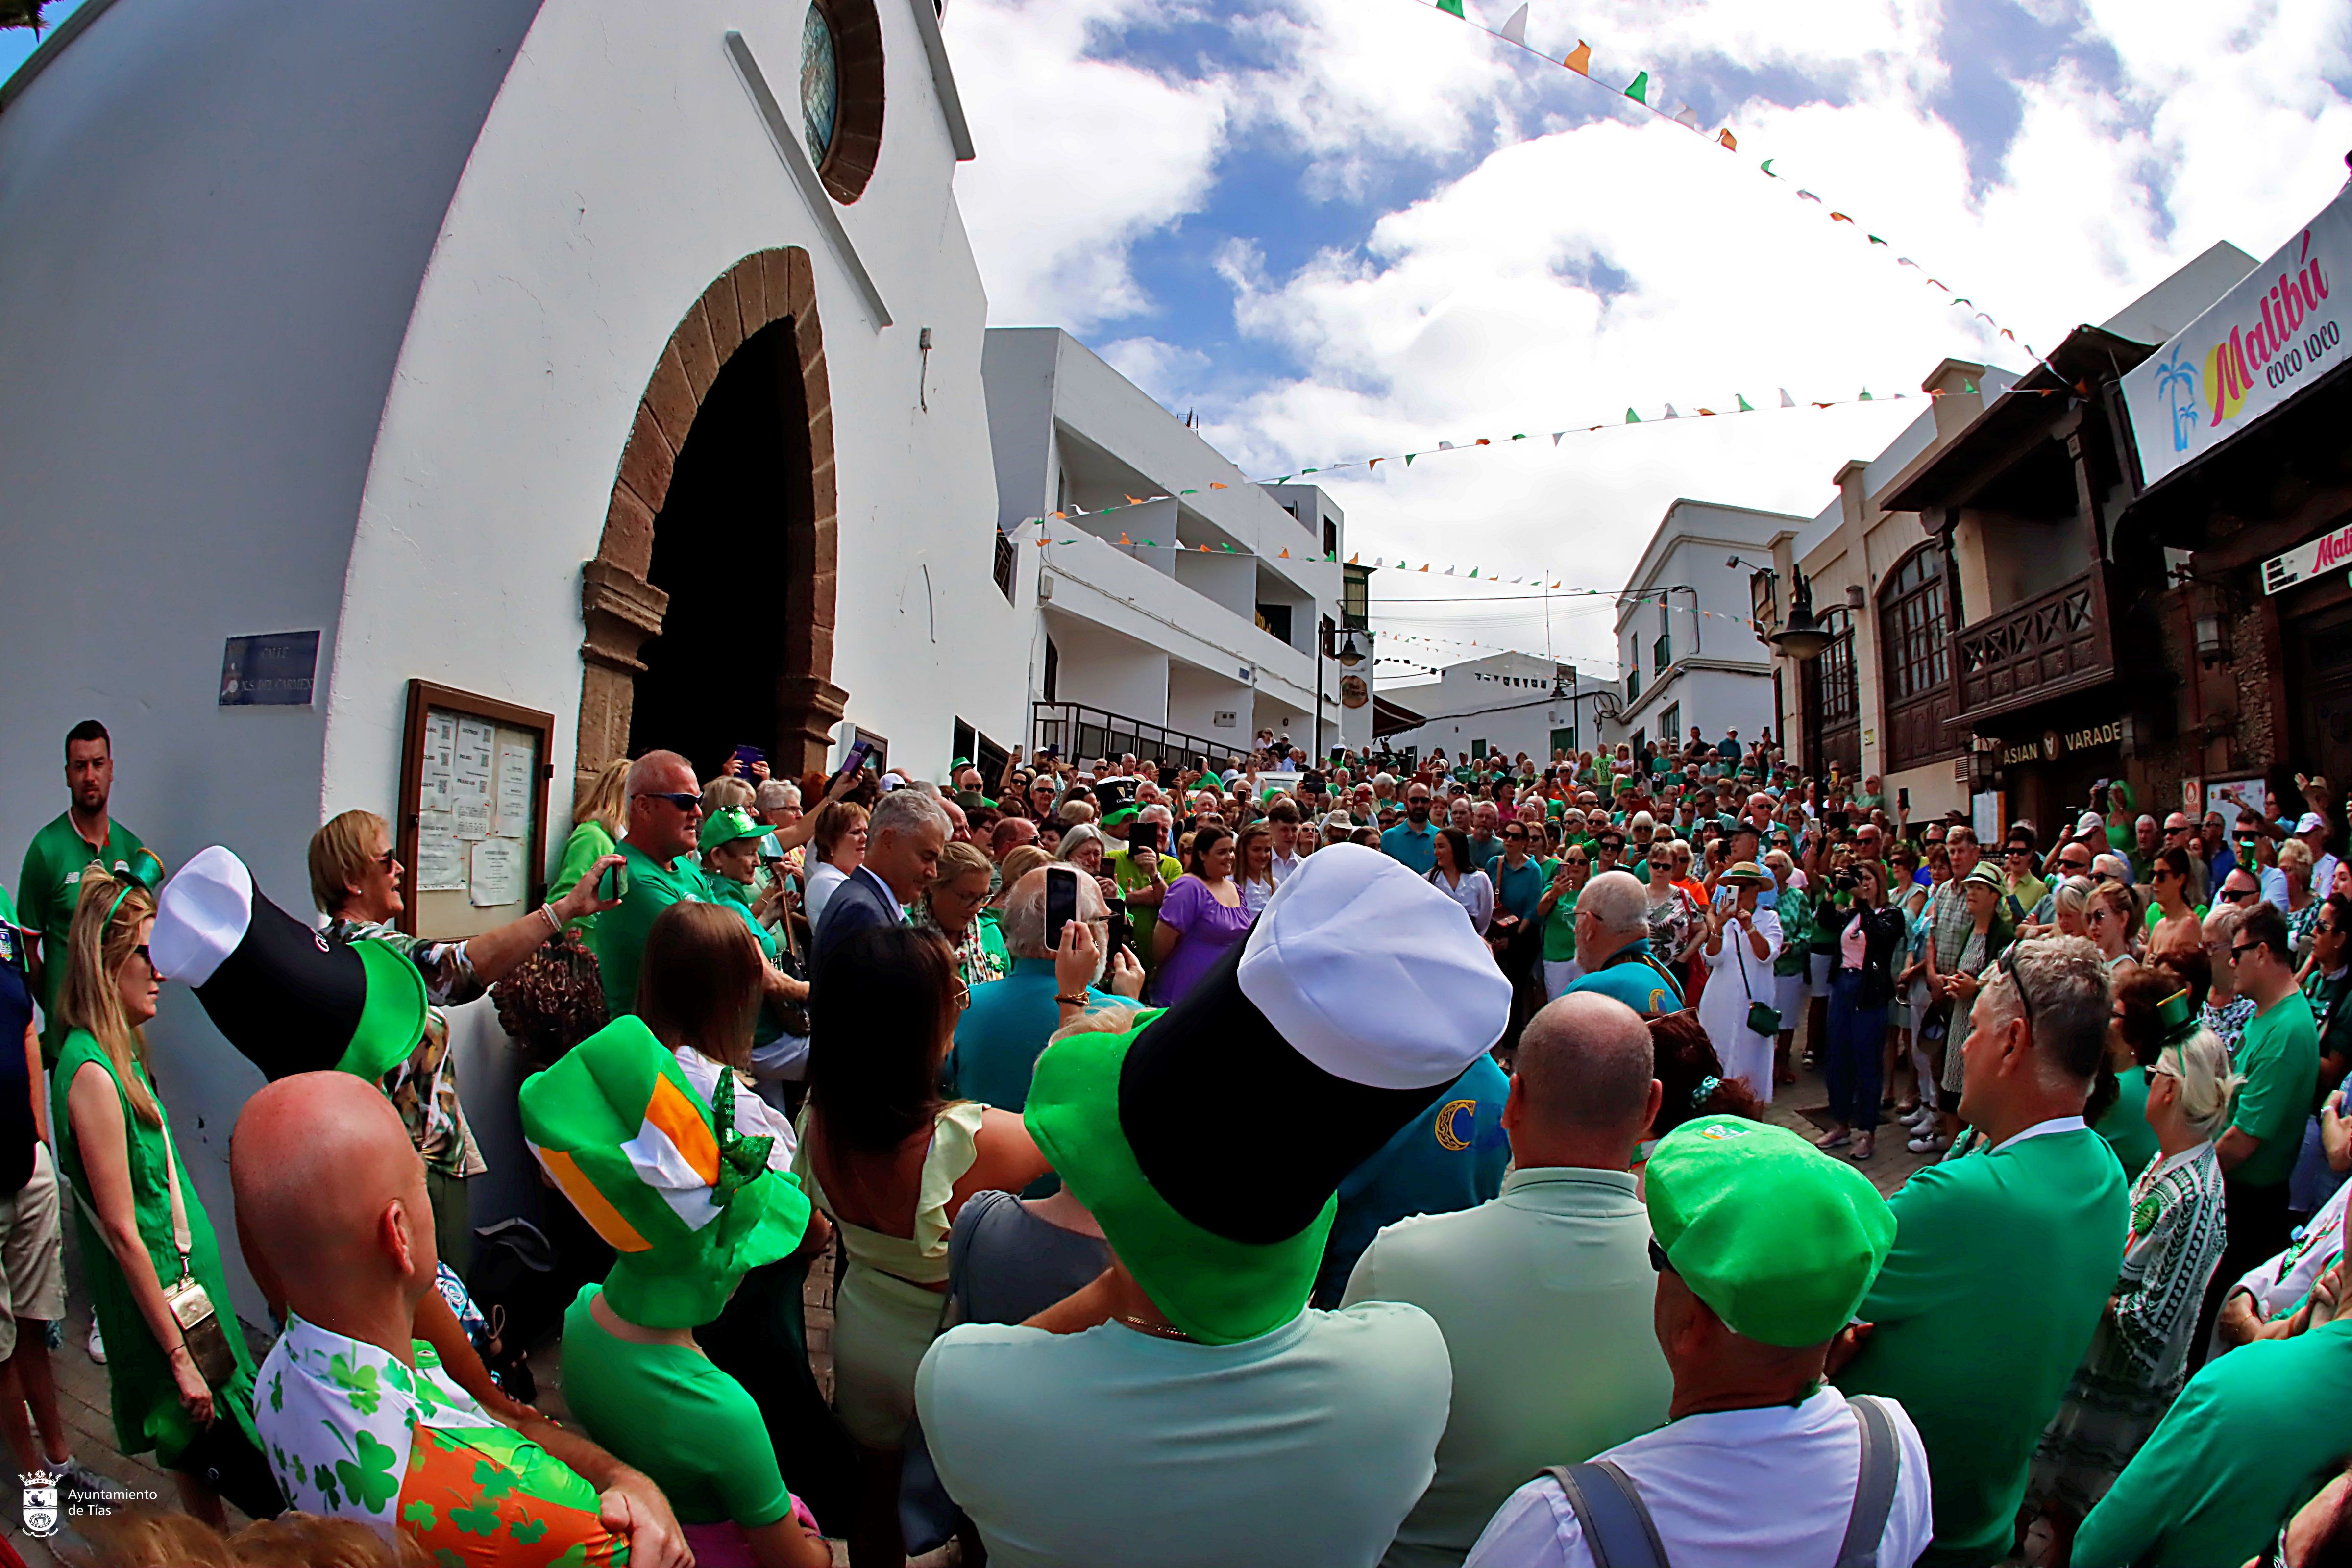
(2264, 342)
(2326, 554)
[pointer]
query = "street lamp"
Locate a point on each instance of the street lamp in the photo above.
(1804, 637)
(1353, 646)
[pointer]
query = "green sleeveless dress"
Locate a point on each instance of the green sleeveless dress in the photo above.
(147, 1410)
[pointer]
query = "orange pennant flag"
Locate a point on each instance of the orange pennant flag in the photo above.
(1061, 517)
(1579, 58)
(1134, 500)
(1555, 585)
(1214, 486)
(1286, 555)
(1373, 464)
(1728, 140)
(1123, 539)
(1356, 559)
(1424, 566)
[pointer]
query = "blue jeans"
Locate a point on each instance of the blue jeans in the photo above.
(1852, 1063)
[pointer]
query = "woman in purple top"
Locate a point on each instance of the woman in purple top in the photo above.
(1201, 916)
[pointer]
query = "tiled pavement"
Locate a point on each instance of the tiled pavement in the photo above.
(83, 1388)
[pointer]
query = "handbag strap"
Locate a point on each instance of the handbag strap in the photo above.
(1618, 1529)
(1874, 1483)
(181, 1240)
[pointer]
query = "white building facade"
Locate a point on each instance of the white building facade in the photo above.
(1141, 637)
(1686, 672)
(1506, 702)
(619, 363)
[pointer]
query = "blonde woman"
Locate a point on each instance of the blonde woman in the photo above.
(115, 1148)
(2139, 1356)
(2113, 913)
(2302, 903)
(597, 823)
(839, 835)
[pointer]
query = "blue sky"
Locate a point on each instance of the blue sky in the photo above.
(1340, 227)
(1343, 227)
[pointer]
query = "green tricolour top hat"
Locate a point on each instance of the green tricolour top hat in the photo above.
(688, 1203)
(1360, 992)
(289, 998)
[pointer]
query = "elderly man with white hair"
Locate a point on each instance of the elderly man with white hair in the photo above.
(1612, 944)
(903, 840)
(1010, 1020)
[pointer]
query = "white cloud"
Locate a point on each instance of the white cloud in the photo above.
(1079, 156)
(1471, 310)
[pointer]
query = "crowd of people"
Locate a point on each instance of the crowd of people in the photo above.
(1314, 1160)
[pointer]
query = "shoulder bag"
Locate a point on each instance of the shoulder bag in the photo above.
(191, 1305)
(1763, 1018)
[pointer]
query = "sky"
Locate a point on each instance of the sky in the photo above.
(1341, 228)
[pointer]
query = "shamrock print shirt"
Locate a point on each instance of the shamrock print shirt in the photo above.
(353, 1432)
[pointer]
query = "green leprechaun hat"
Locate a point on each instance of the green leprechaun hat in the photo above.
(688, 1202)
(1360, 992)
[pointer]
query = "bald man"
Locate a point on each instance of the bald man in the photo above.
(1545, 1293)
(359, 1416)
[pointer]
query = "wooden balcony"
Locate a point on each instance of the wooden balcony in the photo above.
(2045, 647)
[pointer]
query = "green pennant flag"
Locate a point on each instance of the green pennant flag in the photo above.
(1865, 395)
(1188, 492)
(1473, 571)
(1149, 545)
(1409, 457)
(1330, 555)
(1229, 546)
(1631, 418)
(1745, 407)
(1452, 9)
(1640, 91)
(1968, 386)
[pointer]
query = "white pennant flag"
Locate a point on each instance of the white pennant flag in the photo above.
(1555, 435)
(1670, 412)
(1787, 401)
(1516, 29)
(1449, 571)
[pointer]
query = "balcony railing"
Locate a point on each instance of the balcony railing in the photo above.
(2045, 646)
(1083, 731)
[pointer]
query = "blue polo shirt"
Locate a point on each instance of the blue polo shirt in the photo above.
(1452, 1156)
(1413, 847)
(998, 1039)
(1637, 985)
(1518, 892)
(1487, 854)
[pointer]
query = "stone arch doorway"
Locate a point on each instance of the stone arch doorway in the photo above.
(722, 512)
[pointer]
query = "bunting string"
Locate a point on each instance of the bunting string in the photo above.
(1045, 533)
(1647, 91)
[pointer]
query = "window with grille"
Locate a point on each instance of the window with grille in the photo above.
(1839, 704)
(1911, 622)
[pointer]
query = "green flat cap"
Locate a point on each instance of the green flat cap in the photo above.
(1780, 1240)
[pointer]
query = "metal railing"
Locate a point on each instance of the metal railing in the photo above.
(1084, 731)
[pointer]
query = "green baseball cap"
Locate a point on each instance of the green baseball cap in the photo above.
(1779, 1239)
(1124, 813)
(728, 824)
(688, 1204)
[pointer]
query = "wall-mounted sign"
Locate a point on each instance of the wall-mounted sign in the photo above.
(276, 670)
(1225, 719)
(2260, 345)
(1354, 692)
(2329, 552)
(2056, 743)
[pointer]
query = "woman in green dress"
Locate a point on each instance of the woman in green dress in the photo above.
(115, 1147)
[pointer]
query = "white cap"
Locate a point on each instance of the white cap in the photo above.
(2312, 823)
(202, 916)
(1372, 973)
(2088, 822)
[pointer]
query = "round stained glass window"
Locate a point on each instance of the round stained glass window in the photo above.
(820, 83)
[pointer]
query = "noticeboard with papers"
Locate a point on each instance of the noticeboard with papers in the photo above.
(473, 811)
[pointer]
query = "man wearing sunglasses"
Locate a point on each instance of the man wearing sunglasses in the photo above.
(657, 869)
(2003, 1259)
(2279, 1056)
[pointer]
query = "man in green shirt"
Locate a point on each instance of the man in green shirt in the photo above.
(2254, 1434)
(657, 868)
(50, 883)
(2004, 1255)
(1566, 1243)
(2279, 1060)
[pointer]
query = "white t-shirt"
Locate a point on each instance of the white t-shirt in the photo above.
(1305, 1446)
(1759, 1487)
(823, 878)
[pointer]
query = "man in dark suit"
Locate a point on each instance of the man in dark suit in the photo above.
(903, 840)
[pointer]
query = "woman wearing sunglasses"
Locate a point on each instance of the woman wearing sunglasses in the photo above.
(141, 1225)
(2113, 913)
(2179, 926)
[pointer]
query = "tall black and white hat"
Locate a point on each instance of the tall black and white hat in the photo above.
(291, 999)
